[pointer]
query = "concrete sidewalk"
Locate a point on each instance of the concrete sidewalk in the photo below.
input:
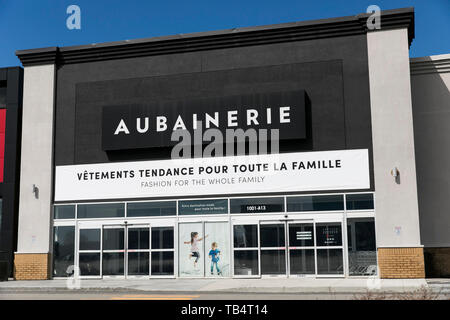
(271, 285)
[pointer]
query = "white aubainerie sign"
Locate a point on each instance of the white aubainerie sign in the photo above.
(287, 172)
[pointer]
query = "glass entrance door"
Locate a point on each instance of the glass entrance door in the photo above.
(113, 251)
(138, 250)
(301, 248)
(329, 248)
(287, 248)
(150, 250)
(162, 253)
(89, 251)
(126, 250)
(273, 248)
(301, 253)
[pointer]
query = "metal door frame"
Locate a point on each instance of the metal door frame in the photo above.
(84, 226)
(160, 224)
(314, 221)
(343, 246)
(233, 249)
(127, 249)
(288, 267)
(124, 250)
(267, 222)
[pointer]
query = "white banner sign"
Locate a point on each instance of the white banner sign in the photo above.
(288, 172)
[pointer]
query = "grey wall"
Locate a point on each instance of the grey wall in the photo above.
(396, 207)
(430, 83)
(333, 72)
(36, 159)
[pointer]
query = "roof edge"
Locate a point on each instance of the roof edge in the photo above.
(430, 64)
(229, 38)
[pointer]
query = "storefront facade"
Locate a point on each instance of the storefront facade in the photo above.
(338, 199)
(303, 236)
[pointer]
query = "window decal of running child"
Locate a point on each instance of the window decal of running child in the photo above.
(195, 252)
(214, 255)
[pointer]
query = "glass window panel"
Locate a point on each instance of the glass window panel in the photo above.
(302, 261)
(315, 203)
(349, 237)
(138, 238)
(64, 212)
(162, 263)
(151, 209)
(257, 205)
(217, 249)
(191, 259)
(329, 261)
(362, 254)
(273, 262)
(245, 236)
(246, 263)
(301, 235)
(89, 264)
(365, 235)
(272, 235)
(162, 238)
(90, 239)
(113, 264)
(102, 210)
(113, 238)
(138, 263)
(63, 250)
(328, 234)
(362, 201)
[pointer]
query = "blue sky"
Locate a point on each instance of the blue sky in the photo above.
(26, 24)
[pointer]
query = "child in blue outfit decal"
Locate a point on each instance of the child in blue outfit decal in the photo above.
(214, 254)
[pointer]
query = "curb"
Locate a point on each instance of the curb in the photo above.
(283, 290)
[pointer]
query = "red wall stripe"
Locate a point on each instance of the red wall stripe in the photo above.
(2, 141)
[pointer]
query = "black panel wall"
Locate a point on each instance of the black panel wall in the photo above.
(332, 71)
(9, 189)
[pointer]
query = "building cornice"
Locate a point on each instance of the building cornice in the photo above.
(238, 37)
(431, 64)
(39, 56)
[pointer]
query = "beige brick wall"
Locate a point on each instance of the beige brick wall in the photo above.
(31, 266)
(401, 263)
